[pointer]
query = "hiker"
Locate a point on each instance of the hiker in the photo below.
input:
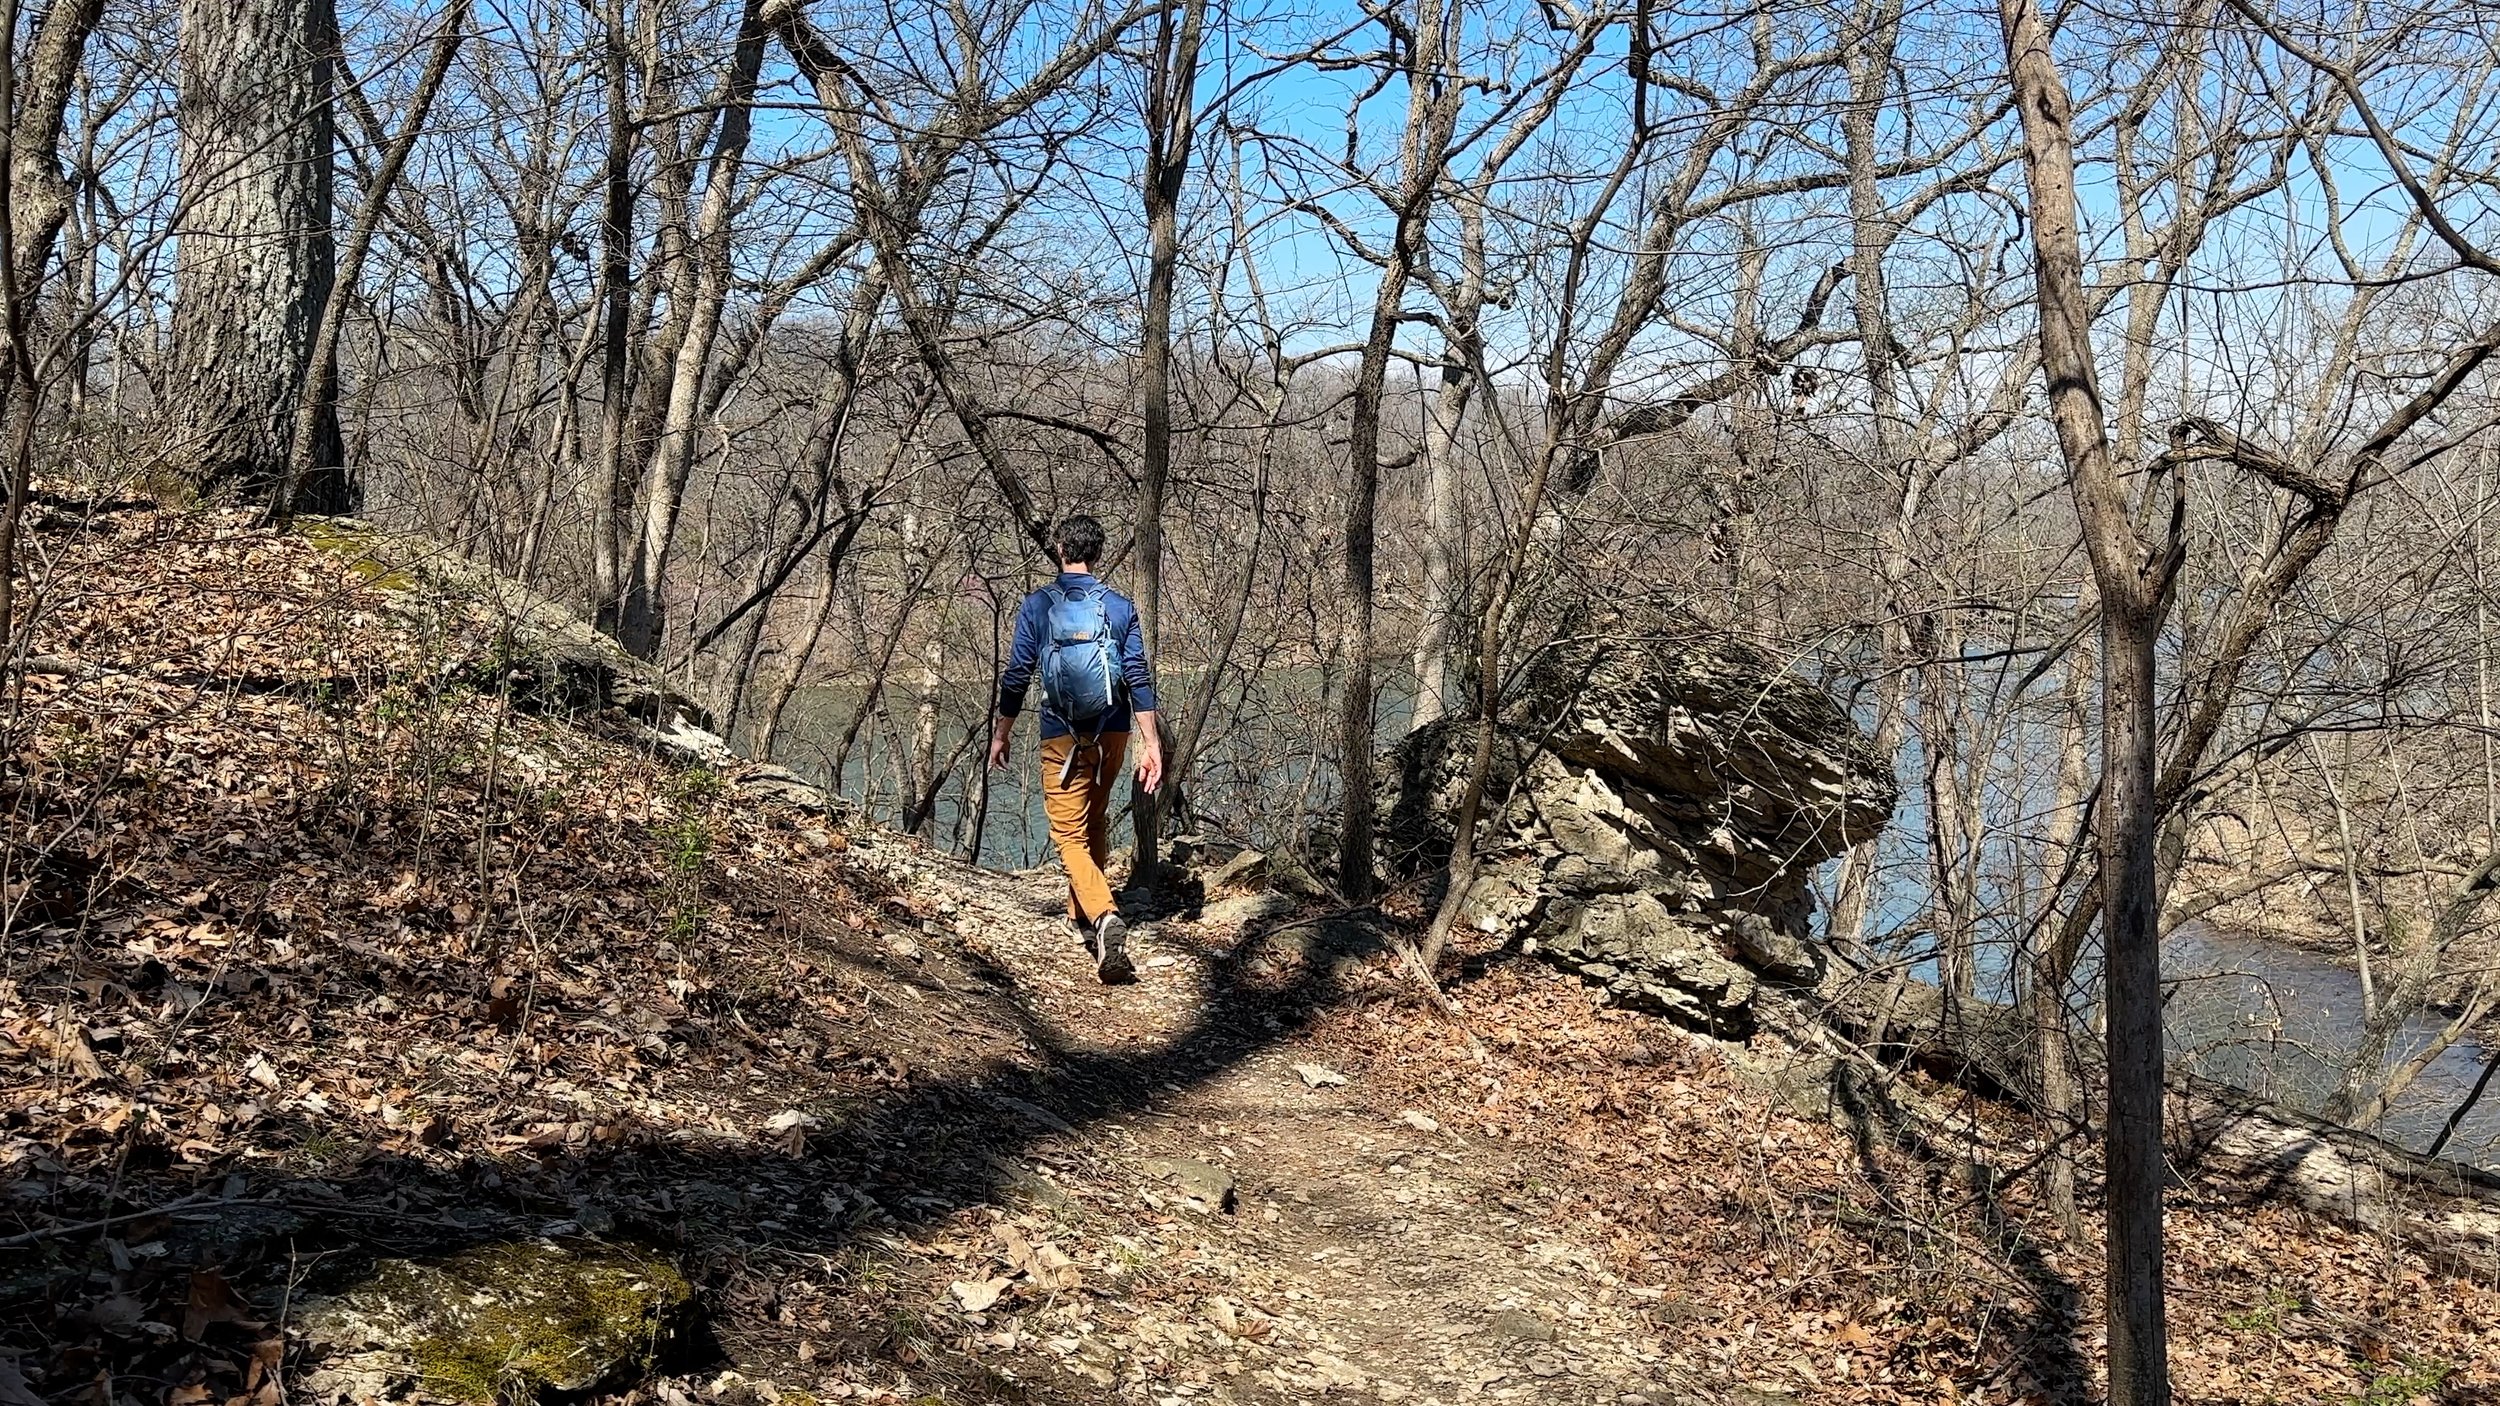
(1083, 640)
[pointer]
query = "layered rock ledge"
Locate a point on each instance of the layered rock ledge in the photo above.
(1657, 802)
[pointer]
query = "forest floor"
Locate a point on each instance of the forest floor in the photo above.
(324, 945)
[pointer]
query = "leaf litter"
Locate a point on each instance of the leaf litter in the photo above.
(332, 938)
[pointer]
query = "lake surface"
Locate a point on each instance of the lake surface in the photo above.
(2262, 1015)
(2281, 1022)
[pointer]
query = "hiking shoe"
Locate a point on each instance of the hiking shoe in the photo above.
(1078, 933)
(1111, 961)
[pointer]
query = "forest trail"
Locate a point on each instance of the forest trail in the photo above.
(1363, 1251)
(354, 935)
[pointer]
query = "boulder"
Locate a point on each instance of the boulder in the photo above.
(1244, 870)
(497, 1324)
(1660, 797)
(1629, 944)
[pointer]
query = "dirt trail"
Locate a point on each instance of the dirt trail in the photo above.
(1367, 1253)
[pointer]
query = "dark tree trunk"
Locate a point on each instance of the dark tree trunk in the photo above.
(1170, 124)
(2130, 575)
(34, 204)
(255, 259)
(608, 492)
(319, 398)
(1434, 93)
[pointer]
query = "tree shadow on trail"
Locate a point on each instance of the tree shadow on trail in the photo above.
(744, 1213)
(2047, 1362)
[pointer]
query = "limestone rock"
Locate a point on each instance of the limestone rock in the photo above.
(1774, 952)
(1208, 1186)
(1670, 792)
(764, 781)
(540, 654)
(1643, 957)
(1248, 910)
(497, 1324)
(1246, 868)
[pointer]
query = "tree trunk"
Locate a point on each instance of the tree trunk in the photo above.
(33, 207)
(1434, 96)
(255, 257)
(924, 730)
(39, 198)
(2130, 577)
(1169, 129)
(2131, 955)
(642, 616)
(320, 392)
(608, 494)
(1438, 607)
(1951, 823)
(2053, 960)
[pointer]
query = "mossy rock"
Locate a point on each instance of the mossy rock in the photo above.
(360, 545)
(497, 1324)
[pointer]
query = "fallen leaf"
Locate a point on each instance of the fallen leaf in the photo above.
(70, 1042)
(214, 1301)
(13, 1388)
(1050, 1268)
(1318, 1075)
(118, 1314)
(788, 1130)
(1420, 1122)
(263, 1371)
(978, 1294)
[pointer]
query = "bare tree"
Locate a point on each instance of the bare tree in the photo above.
(2132, 577)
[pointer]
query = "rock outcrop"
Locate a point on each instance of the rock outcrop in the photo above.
(503, 1324)
(1656, 804)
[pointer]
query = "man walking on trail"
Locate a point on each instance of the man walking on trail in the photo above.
(1082, 639)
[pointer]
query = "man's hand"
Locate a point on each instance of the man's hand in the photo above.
(1149, 756)
(1002, 730)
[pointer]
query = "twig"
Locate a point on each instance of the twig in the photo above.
(188, 1203)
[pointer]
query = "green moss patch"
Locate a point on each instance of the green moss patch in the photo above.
(507, 1323)
(342, 537)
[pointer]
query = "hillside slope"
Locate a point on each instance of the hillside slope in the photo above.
(344, 926)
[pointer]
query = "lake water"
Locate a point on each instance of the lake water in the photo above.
(1265, 765)
(2264, 1016)
(2281, 1022)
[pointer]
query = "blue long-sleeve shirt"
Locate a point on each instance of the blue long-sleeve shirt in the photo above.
(1033, 632)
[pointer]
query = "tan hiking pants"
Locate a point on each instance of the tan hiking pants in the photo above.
(1080, 815)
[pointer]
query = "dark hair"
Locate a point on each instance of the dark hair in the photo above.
(1079, 539)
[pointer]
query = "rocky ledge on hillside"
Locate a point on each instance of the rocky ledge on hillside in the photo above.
(1663, 795)
(547, 659)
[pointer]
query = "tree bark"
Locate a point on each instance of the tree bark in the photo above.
(609, 495)
(1170, 126)
(2053, 960)
(642, 616)
(39, 198)
(33, 207)
(1434, 94)
(255, 255)
(2131, 580)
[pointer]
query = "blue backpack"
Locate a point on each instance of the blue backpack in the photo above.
(1080, 659)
